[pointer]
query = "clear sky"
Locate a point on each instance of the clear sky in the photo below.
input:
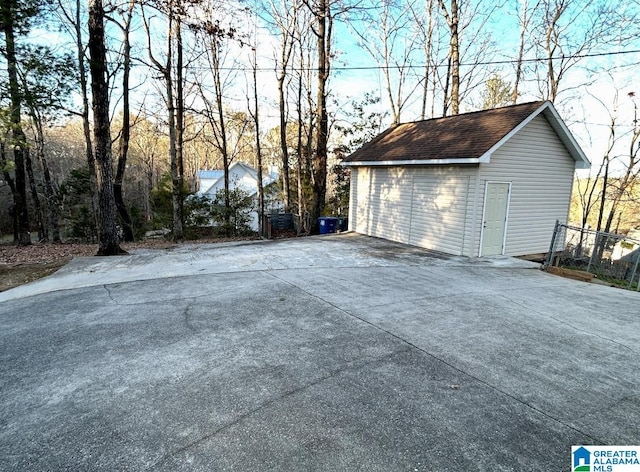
(593, 92)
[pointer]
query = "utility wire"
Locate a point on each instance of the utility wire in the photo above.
(422, 66)
(505, 61)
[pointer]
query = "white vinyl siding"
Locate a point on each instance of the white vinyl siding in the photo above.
(425, 206)
(441, 207)
(442, 200)
(383, 203)
(541, 171)
(353, 198)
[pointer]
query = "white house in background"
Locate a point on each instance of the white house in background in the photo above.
(240, 176)
(476, 184)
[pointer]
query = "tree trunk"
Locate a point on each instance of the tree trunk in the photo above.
(50, 194)
(222, 138)
(523, 31)
(8, 9)
(178, 231)
(178, 189)
(123, 145)
(107, 233)
(173, 155)
(323, 18)
(258, 145)
(553, 14)
(12, 187)
(286, 186)
(308, 157)
(51, 207)
(454, 52)
(86, 125)
(455, 59)
(603, 195)
(445, 93)
(42, 231)
(301, 177)
(427, 54)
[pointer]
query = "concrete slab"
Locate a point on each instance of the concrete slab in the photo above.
(329, 353)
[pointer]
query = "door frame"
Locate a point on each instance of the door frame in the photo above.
(484, 209)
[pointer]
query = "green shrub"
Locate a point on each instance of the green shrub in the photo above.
(234, 220)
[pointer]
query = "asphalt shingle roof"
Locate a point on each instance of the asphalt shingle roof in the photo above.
(464, 136)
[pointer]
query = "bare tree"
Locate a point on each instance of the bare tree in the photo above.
(46, 80)
(631, 172)
(255, 115)
(149, 144)
(470, 44)
(453, 69)
(304, 129)
(171, 71)
(390, 41)
(214, 110)
(618, 172)
(322, 29)
(11, 14)
(427, 31)
(107, 233)
(569, 30)
(125, 132)
(285, 15)
(72, 21)
(525, 15)
(37, 123)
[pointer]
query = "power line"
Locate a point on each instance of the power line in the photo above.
(501, 62)
(422, 66)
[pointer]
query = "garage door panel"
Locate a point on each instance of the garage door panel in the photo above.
(389, 201)
(426, 208)
(438, 212)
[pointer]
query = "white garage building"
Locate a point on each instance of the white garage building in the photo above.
(476, 184)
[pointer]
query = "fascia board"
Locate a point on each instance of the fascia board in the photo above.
(417, 162)
(582, 161)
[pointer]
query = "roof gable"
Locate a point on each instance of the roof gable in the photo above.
(467, 138)
(240, 174)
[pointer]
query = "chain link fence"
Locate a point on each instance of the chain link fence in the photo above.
(612, 258)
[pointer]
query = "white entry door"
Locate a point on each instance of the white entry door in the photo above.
(494, 225)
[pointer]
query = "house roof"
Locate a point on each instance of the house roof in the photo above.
(236, 167)
(210, 174)
(468, 138)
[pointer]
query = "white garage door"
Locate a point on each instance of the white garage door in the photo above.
(425, 207)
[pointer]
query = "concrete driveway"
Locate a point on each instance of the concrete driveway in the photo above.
(334, 353)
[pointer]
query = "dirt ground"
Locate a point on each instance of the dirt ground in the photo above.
(21, 265)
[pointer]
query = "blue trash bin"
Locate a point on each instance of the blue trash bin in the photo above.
(327, 224)
(342, 224)
(324, 227)
(333, 224)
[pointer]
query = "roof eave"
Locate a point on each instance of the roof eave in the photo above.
(417, 162)
(546, 108)
(582, 161)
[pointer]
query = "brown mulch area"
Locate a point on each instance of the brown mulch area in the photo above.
(23, 264)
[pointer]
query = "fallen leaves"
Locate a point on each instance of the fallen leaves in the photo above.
(43, 253)
(23, 264)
